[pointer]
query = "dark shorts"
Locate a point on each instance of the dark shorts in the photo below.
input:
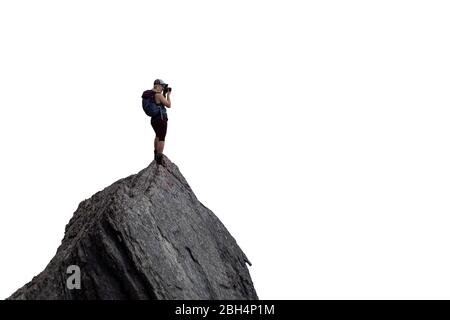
(160, 127)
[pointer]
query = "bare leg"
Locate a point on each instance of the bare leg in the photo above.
(160, 148)
(156, 143)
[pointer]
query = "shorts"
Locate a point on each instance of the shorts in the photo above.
(160, 127)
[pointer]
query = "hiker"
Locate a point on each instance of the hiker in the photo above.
(160, 96)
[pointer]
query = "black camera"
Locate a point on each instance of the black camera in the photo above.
(166, 88)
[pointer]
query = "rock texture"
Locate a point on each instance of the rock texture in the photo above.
(146, 236)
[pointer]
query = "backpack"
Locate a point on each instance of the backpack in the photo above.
(149, 105)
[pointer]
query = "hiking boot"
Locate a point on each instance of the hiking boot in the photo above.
(159, 158)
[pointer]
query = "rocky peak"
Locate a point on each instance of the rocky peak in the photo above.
(146, 236)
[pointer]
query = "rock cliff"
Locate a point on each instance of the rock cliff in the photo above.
(146, 236)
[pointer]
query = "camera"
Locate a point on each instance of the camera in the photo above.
(166, 88)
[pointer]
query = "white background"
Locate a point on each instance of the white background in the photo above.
(317, 131)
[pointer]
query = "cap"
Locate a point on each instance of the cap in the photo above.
(159, 81)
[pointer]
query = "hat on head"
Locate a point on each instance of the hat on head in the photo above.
(159, 81)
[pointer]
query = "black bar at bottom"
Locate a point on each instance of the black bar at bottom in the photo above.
(224, 309)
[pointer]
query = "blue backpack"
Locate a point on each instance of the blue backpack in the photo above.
(149, 105)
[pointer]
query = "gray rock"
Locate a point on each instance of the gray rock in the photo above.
(146, 236)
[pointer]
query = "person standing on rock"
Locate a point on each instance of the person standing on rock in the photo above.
(160, 95)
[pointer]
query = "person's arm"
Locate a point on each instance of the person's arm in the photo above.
(163, 100)
(168, 99)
